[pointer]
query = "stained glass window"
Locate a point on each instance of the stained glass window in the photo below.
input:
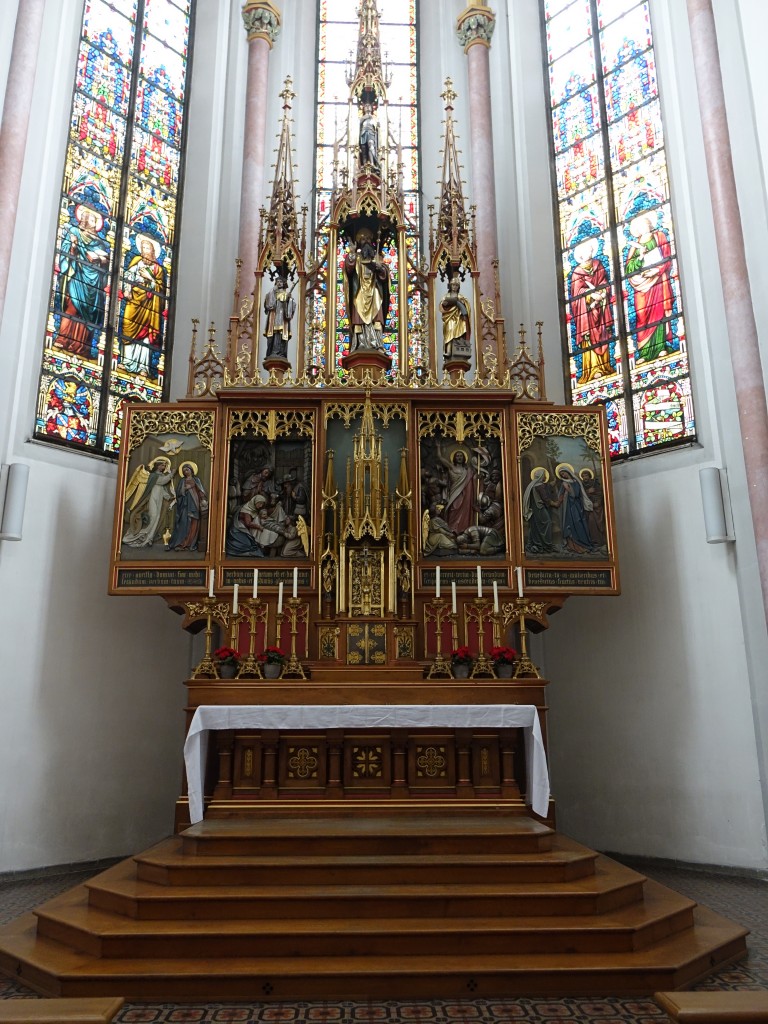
(337, 44)
(623, 317)
(106, 339)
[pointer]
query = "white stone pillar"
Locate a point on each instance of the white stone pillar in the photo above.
(262, 23)
(475, 27)
(734, 273)
(15, 124)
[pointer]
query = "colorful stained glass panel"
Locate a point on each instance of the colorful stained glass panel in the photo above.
(568, 31)
(626, 37)
(622, 312)
(106, 332)
(630, 86)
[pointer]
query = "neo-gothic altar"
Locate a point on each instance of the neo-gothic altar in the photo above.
(367, 477)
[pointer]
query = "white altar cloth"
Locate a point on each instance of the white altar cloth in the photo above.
(366, 716)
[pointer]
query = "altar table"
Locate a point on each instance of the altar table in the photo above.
(366, 716)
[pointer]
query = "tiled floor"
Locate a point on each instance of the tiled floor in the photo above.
(742, 900)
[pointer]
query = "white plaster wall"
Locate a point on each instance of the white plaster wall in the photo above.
(90, 689)
(657, 721)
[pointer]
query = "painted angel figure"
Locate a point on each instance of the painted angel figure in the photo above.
(150, 493)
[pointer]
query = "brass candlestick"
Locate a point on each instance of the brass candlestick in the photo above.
(211, 609)
(437, 612)
(256, 612)
(480, 611)
(524, 666)
(298, 611)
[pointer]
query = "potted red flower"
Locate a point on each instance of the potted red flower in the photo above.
(503, 659)
(461, 662)
(271, 660)
(227, 661)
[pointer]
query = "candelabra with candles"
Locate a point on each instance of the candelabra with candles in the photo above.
(481, 612)
(520, 609)
(298, 612)
(437, 612)
(212, 610)
(256, 612)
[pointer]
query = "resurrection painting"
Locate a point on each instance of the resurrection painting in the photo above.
(462, 498)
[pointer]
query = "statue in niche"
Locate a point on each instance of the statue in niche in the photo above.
(280, 307)
(369, 139)
(456, 323)
(366, 292)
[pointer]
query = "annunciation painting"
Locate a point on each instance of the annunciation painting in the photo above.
(166, 487)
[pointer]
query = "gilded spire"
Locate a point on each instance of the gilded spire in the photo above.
(452, 221)
(368, 78)
(282, 219)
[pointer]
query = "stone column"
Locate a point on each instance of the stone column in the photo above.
(262, 23)
(475, 27)
(734, 273)
(15, 124)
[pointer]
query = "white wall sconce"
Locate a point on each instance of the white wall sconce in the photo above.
(13, 498)
(716, 502)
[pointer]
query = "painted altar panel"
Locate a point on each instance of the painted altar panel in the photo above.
(267, 515)
(565, 504)
(162, 535)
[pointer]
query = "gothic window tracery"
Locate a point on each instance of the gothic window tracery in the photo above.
(107, 330)
(623, 310)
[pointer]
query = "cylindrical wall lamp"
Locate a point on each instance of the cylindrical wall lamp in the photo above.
(714, 494)
(13, 499)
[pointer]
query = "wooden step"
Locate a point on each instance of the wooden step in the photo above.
(59, 1011)
(611, 886)
(674, 962)
(414, 833)
(70, 920)
(715, 1007)
(169, 864)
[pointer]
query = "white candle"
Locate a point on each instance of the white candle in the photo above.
(453, 596)
(280, 598)
(495, 598)
(211, 577)
(295, 581)
(479, 582)
(437, 581)
(519, 574)
(255, 584)
(235, 591)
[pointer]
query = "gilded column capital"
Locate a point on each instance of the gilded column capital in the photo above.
(262, 20)
(475, 25)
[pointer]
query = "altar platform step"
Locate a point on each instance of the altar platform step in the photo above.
(675, 962)
(169, 864)
(288, 937)
(119, 890)
(408, 832)
(71, 920)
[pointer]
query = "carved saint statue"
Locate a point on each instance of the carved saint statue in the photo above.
(366, 289)
(280, 306)
(369, 139)
(456, 323)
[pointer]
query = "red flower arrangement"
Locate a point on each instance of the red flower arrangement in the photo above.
(271, 656)
(227, 656)
(462, 656)
(503, 655)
